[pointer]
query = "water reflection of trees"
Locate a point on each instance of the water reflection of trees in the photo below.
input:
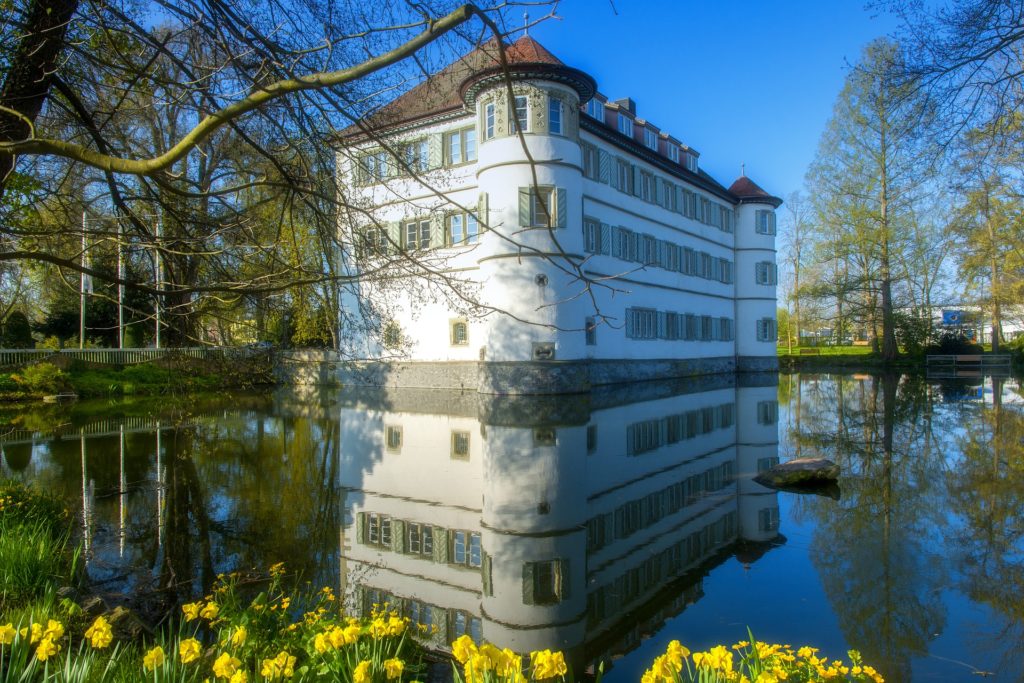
(877, 550)
(986, 495)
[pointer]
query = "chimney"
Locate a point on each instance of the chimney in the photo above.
(628, 104)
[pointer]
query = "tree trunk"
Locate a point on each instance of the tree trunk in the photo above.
(31, 73)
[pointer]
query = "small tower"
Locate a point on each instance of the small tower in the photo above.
(531, 181)
(756, 277)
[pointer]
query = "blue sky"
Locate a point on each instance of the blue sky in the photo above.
(742, 82)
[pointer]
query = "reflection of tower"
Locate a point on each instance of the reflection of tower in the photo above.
(534, 524)
(757, 449)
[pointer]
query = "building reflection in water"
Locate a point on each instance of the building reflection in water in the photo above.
(579, 523)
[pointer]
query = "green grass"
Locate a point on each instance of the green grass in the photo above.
(33, 545)
(827, 351)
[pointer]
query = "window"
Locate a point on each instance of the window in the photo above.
(375, 166)
(650, 139)
(374, 241)
(764, 222)
(460, 445)
(767, 412)
(393, 438)
(539, 207)
(420, 539)
(466, 548)
(765, 273)
(378, 529)
(459, 332)
(768, 519)
(691, 162)
(590, 330)
(647, 186)
(766, 330)
(542, 582)
(595, 237)
(555, 116)
(641, 323)
(765, 464)
(625, 125)
(417, 156)
(459, 146)
(673, 152)
(591, 161)
(463, 228)
(417, 235)
(519, 118)
(488, 120)
(595, 109)
(465, 624)
(624, 175)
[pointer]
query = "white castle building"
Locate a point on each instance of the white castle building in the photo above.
(591, 245)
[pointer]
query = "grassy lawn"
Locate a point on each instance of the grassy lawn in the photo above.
(826, 351)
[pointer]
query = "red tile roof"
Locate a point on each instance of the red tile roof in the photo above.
(745, 188)
(440, 92)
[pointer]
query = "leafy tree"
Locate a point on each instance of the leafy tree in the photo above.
(871, 163)
(17, 332)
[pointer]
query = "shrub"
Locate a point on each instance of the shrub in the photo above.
(41, 378)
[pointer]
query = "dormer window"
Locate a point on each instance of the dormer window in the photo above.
(625, 125)
(555, 116)
(595, 109)
(691, 163)
(650, 139)
(673, 152)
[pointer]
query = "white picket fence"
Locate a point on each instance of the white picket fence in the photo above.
(17, 357)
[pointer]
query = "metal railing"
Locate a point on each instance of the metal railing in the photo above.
(15, 357)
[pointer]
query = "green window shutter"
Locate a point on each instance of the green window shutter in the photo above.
(662, 325)
(564, 572)
(440, 545)
(524, 206)
(605, 165)
(361, 527)
(659, 192)
(439, 618)
(435, 151)
(606, 238)
(637, 181)
(398, 535)
(437, 236)
(394, 237)
(528, 598)
(482, 210)
(616, 245)
(677, 202)
(487, 575)
(562, 206)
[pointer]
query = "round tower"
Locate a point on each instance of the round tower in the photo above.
(756, 277)
(532, 185)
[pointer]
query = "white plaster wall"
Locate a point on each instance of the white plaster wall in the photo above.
(753, 301)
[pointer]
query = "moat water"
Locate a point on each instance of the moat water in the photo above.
(603, 525)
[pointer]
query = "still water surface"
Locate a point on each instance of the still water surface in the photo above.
(603, 525)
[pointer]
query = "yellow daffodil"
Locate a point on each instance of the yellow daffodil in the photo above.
(547, 664)
(189, 650)
(238, 637)
(393, 668)
(54, 630)
(99, 634)
(210, 612)
(7, 633)
(153, 659)
(463, 648)
(322, 643)
(283, 665)
(361, 674)
(191, 610)
(225, 666)
(239, 677)
(47, 648)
